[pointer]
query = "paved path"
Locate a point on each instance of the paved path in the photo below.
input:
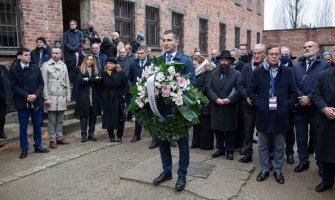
(104, 170)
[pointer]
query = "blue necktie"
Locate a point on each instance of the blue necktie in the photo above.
(142, 64)
(169, 58)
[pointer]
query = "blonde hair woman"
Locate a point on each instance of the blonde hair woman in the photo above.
(88, 105)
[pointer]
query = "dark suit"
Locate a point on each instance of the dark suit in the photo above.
(136, 72)
(25, 82)
(73, 39)
(223, 85)
(306, 115)
(164, 145)
(324, 96)
(36, 57)
(101, 62)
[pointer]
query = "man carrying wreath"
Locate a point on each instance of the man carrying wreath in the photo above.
(170, 42)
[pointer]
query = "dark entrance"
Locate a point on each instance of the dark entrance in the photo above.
(71, 10)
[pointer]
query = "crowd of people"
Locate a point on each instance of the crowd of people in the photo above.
(287, 102)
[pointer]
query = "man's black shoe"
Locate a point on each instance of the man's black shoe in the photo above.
(301, 167)
(323, 186)
(246, 159)
(24, 154)
(3, 135)
(93, 138)
(279, 177)
(41, 150)
(218, 153)
(262, 176)
(290, 159)
(164, 176)
(180, 184)
(154, 144)
(230, 156)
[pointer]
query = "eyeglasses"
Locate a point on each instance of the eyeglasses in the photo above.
(273, 54)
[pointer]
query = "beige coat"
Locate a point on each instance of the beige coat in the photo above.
(56, 85)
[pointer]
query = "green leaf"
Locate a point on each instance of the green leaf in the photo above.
(188, 114)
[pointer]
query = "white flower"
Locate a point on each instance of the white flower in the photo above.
(158, 85)
(178, 101)
(172, 70)
(160, 77)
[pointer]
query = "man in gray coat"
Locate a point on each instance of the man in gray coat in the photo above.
(56, 94)
(224, 96)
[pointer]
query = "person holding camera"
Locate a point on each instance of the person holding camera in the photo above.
(91, 34)
(42, 52)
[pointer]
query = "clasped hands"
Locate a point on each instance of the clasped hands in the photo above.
(224, 101)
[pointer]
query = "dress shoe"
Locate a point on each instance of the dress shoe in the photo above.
(52, 145)
(173, 143)
(164, 176)
(135, 139)
(83, 140)
(41, 150)
(180, 184)
(218, 153)
(290, 159)
(93, 138)
(246, 159)
(301, 167)
(118, 140)
(262, 176)
(154, 144)
(279, 177)
(3, 135)
(254, 141)
(323, 186)
(230, 156)
(111, 139)
(193, 146)
(62, 141)
(24, 154)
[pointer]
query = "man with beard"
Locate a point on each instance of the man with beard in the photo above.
(305, 74)
(272, 92)
(248, 110)
(224, 96)
(42, 52)
(91, 34)
(73, 39)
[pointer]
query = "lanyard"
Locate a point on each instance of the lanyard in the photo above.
(272, 84)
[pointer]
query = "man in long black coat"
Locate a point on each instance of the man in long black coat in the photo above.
(222, 92)
(323, 98)
(6, 98)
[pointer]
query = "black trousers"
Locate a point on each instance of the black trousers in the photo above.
(328, 172)
(225, 140)
(203, 135)
(249, 129)
(91, 121)
(290, 136)
(2, 124)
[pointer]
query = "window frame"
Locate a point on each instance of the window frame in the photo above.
(152, 40)
(203, 36)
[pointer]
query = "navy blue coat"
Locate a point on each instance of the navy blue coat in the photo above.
(24, 82)
(243, 84)
(35, 55)
(136, 70)
(101, 62)
(305, 80)
(189, 67)
(272, 121)
(72, 43)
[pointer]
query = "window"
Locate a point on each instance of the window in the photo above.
(203, 36)
(178, 27)
(152, 26)
(9, 24)
(237, 37)
(249, 5)
(124, 19)
(248, 39)
(258, 37)
(222, 37)
(258, 7)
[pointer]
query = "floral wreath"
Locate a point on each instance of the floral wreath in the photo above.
(164, 102)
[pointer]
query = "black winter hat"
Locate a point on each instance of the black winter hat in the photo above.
(225, 54)
(111, 59)
(41, 39)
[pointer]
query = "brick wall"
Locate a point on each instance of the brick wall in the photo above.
(44, 18)
(295, 39)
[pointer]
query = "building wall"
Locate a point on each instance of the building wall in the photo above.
(44, 18)
(295, 39)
